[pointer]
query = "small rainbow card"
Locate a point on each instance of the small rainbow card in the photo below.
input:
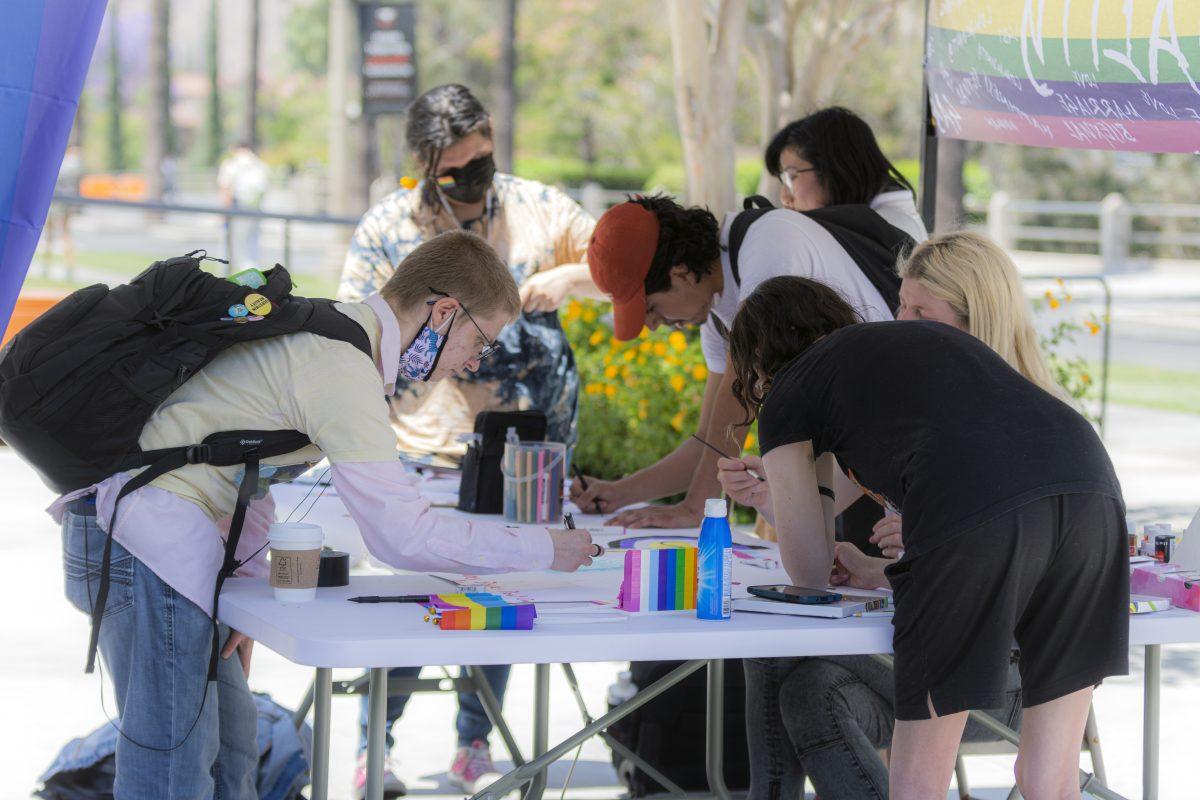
(480, 611)
(659, 579)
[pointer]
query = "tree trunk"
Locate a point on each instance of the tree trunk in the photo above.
(215, 133)
(952, 154)
(705, 55)
(250, 115)
(504, 91)
(158, 121)
(116, 133)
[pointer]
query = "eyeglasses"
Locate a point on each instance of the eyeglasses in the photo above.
(490, 347)
(788, 175)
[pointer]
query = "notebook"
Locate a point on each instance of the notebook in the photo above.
(848, 606)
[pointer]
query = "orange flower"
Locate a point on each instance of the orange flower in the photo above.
(699, 372)
(678, 382)
(678, 341)
(610, 391)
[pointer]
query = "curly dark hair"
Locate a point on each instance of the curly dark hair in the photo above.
(781, 319)
(688, 236)
(842, 147)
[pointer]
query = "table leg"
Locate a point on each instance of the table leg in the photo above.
(321, 690)
(376, 731)
(1152, 681)
(541, 728)
(715, 730)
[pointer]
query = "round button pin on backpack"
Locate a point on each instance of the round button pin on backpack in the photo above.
(258, 305)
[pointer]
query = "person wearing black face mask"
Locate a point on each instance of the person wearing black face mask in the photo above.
(542, 235)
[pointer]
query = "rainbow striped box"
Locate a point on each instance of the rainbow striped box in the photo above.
(659, 579)
(481, 611)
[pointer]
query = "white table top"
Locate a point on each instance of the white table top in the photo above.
(333, 632)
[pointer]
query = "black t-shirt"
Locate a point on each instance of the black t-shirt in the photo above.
(934, 421)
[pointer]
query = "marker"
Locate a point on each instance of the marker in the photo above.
(583, 483)
(722, 455)
(398, 598)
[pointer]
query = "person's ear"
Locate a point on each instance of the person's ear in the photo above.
(682, 273)
(442, 311)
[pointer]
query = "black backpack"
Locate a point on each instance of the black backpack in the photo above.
(78, 384)
(871, 241)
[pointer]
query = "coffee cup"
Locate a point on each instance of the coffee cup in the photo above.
(295, 560)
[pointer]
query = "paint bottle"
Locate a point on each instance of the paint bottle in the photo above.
(714, 566)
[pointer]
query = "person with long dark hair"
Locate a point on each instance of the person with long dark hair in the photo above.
(542, 235)
(1013, 521)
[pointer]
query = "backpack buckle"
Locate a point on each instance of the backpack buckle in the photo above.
(198, 454)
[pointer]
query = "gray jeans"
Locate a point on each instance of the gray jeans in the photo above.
(827, 718)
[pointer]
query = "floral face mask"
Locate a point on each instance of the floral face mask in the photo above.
(421, 358)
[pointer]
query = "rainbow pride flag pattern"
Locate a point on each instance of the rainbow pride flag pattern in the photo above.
(661, 578)
(1100, 74)
(481, 611)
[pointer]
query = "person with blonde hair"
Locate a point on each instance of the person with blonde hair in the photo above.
(437, 317)
(966, 280)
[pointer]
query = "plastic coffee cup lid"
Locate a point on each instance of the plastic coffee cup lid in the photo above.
(300, 535)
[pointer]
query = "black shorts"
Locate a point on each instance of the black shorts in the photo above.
(1051, 576)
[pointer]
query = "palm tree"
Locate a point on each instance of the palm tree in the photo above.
(158, 134)
(250, 120)
(215, 133)
(116, 133)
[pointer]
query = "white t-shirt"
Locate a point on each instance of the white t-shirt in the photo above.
(784, 242)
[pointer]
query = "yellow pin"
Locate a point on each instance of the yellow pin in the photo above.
(258, 305)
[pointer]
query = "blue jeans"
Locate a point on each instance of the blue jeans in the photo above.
(827, 718)
(155, 646)
(472, 722)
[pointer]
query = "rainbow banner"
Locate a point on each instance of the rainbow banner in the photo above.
(481, 611)
(1095, 74)
(45, 48)
(662, 578)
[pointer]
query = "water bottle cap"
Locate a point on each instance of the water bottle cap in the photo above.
(715, 507)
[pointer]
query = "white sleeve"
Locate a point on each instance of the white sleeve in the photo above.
(401, 530)
(713, 345)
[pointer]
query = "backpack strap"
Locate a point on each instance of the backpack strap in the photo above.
(753, 207)
(220, 450)
(873, 243)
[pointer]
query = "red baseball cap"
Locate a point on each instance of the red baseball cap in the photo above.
(619, 257)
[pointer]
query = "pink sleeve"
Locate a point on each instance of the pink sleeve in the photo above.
(259, 516)
(400, 530)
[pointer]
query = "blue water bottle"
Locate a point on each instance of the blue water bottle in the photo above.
(714, 567)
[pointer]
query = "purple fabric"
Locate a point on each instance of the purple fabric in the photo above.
(45, 49)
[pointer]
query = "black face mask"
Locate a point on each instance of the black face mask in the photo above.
(471, 181)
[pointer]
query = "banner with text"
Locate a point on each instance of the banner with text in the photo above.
(1097, 74)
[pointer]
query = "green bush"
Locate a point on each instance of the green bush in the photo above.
(670, 177)
(573, 172)
(639, 399)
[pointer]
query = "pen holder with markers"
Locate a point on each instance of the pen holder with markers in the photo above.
(533, 481)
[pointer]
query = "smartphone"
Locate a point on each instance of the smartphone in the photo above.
(795, 594)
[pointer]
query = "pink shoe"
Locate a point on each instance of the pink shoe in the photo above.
(393, 787)
(469, 765)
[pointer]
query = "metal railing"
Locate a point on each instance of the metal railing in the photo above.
(226, 213)
(1113, 227)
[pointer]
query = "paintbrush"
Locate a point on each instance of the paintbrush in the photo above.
(753, 474)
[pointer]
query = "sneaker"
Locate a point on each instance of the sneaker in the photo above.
(469, 765)
(393, 787)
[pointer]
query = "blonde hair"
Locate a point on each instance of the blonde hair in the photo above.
(981, 283)
(460, 264)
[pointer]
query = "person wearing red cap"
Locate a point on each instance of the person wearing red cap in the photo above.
(664, 264)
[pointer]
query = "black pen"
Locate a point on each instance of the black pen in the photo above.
(722, 455)
(569, 521)
(396, 598)
(583, 483)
